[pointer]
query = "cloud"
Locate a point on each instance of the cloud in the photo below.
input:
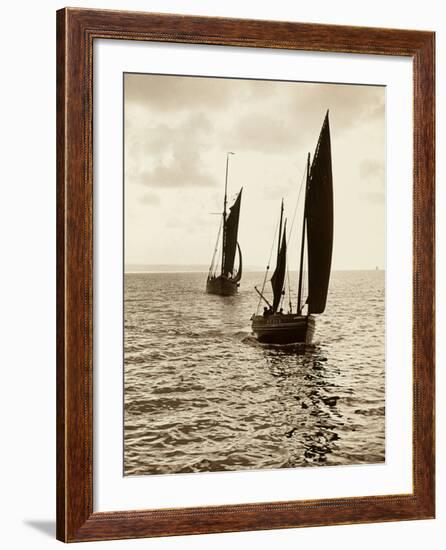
(278, 190)
(169, 154)
(189, 224)
(290, 116)
(170, 117)
(150, 199)
(372, 174)
(177, 133)
(177, 93)
(375, 197)
(184, 169)
(371, 170)
(149, 138)
(348, 104)
(265, 133)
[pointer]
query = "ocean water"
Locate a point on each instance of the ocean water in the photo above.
(201, 394)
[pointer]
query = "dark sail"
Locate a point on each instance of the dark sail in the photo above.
(278, 278)
(320, 222)
(230, 237)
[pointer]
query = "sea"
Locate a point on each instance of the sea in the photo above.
(202, 395)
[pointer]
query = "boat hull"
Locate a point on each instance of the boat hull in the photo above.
(283, 328)
(221, 286)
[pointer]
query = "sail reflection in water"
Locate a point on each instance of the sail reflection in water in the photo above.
(201, 394)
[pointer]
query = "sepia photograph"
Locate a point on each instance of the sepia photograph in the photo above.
(254, 274)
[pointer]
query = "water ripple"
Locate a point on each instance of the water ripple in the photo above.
(201, 394)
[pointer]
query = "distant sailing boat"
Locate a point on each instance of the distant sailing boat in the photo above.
(277, 327)
(227, 281)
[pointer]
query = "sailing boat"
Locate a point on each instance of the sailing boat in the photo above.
(226, 282)
(277, 327)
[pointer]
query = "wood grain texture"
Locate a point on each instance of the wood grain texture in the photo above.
(76, 31)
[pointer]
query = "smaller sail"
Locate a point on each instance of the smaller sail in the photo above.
(230, 237)
(278, 278)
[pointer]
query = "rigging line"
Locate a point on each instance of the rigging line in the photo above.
(305, 286)
(282, 298)
(297, 204)
(216, 248)
(306, 280)
(267, 267)
(289, 284)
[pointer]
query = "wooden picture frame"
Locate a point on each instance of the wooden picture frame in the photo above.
(76, 31)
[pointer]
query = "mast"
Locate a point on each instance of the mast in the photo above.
(302, 247)
(225, 202)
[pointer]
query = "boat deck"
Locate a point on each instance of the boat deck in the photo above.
(221, 286)
(283, 328)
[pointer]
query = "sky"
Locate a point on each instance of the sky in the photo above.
(178, 130)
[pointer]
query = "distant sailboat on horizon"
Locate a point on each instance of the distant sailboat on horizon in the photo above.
(226, 282)
(277, 327)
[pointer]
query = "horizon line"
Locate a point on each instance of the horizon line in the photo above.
(197, 268)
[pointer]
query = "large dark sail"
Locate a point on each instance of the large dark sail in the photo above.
(278, 278)
(230, 237)
(320, 222)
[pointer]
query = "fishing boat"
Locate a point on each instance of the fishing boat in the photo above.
(275, 326)
(224, 277)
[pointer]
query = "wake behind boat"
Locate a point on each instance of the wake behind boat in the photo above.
(275, 326)
(225, 281)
